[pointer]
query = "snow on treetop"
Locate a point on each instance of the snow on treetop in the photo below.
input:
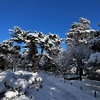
(84, 20)
(83, 24)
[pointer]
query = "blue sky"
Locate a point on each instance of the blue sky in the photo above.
(55, 16)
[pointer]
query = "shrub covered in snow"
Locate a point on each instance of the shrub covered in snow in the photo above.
(18, 83)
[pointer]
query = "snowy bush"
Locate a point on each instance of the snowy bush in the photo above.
(10, 94)
(18, 83)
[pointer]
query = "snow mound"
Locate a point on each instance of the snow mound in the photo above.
(17, 84)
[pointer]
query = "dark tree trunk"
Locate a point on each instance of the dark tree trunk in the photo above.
(77, 71)
(81, 73)
(12, 67)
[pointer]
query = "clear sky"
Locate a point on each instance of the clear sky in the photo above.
(55, 16)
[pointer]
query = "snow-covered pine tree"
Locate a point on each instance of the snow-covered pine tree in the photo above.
(9, 53)
(94, 59)
(80, 33)
(52, 51)
(77, 38)
(46, 42)
(95, 47)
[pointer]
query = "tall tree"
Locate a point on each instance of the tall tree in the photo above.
(80, 54)
(94, 45)
(9, 53)
(46, 42)
(77, 39)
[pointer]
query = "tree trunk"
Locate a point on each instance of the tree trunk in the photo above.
(77, 71)
(81, 73)
(12, 66)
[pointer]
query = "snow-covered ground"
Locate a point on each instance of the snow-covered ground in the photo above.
(52, 87)
(89, 86)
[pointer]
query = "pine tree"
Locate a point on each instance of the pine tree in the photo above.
(80, 33)
(9, 53)
(94, 45)
(48, 43)
(77, 40)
